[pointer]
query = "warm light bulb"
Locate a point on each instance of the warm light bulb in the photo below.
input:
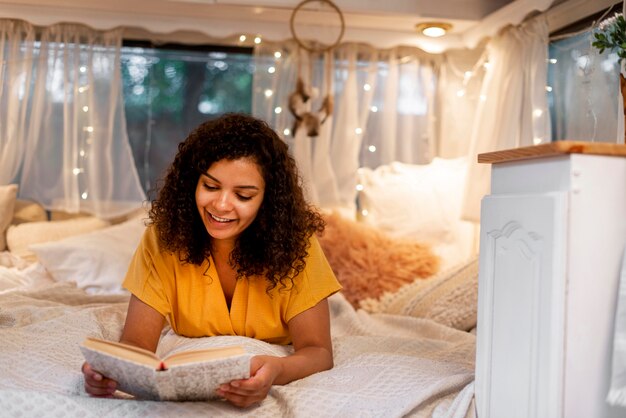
(434, 29)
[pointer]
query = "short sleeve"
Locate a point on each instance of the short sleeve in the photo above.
(314, 284)
(145, 272)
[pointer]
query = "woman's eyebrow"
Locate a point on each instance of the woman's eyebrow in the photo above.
(236, 187)
(211, 177)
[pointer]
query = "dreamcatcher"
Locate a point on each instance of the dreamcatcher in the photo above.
(300, 99)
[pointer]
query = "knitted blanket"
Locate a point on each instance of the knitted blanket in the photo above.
(385, 365)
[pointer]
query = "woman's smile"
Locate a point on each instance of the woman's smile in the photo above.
(218, 219)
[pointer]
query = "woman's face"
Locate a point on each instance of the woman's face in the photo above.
(229, 196)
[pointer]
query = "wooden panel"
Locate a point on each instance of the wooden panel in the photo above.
(552, 149)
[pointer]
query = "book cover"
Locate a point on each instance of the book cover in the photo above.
(192, 375)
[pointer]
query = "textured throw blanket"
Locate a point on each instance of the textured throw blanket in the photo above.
(385, 365)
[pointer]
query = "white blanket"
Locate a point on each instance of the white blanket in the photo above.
(385, 365)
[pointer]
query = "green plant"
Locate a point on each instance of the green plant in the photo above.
(612, 35)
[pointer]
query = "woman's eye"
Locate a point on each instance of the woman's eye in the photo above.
(209, 187)
(244, 198)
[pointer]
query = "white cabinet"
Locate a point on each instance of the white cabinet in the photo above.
(553, 232)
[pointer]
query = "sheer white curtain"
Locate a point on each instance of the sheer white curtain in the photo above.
(17, 41)
(458, 93)
(384, 103)
(513, 109)
(62, 121)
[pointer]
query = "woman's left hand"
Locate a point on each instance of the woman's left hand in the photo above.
(247, 392)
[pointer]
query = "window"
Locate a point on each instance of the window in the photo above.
(583, 86)
(169, 90)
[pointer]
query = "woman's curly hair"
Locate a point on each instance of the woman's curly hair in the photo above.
(275, 244)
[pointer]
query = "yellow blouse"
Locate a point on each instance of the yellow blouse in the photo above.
(192, 299)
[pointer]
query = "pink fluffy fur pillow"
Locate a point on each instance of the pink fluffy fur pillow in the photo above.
(368, 262)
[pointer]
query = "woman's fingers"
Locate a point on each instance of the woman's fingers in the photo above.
(96, 384)
(242, 400)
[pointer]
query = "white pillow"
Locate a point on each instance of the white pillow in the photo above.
(421, 201)
(8, 195)
(96, 261)
(20, 237)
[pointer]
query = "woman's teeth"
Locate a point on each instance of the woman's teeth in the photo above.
(218, 219)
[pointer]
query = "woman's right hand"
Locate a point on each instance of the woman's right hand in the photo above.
(96, 384)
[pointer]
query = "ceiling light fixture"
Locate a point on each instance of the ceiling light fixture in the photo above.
(433, 29)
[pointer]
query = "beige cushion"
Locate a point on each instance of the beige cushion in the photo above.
(28, 211)
(8, 194)
(449, 298)
(20, 237)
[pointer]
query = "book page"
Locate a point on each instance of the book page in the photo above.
(171, 344)
(206, 354)
(121, 350)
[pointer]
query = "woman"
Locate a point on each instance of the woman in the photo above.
(230, 249)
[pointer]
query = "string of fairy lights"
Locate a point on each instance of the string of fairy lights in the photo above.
(88, 131)
(462, 93)
(467, 76)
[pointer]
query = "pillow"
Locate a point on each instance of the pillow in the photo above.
(8, 194)
(368, 262)
(28, 211)
(421, 201)
(96, 261)
(449, 298)
(20, 237)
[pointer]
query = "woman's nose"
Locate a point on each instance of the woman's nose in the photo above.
(223, 201)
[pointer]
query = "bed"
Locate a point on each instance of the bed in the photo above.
(404, 350)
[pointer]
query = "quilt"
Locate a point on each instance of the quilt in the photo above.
(385, 365)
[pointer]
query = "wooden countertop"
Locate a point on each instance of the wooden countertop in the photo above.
(552, 149)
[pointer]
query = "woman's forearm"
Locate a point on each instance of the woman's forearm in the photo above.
(304, 362)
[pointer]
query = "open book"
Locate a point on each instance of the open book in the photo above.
(182, 376)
